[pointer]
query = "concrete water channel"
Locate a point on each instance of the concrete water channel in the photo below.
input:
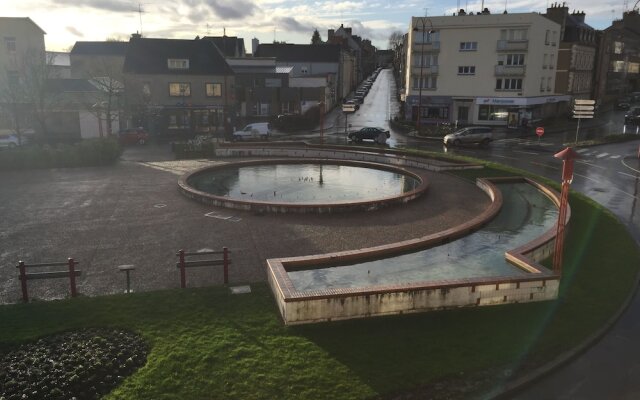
(493, 258)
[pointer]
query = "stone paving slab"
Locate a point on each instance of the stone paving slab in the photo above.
(132, 213)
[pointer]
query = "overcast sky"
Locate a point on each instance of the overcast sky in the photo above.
(293, 21)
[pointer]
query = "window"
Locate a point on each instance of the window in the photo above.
(552, 59)
(10, 42)
(213, 89)
(542, 84)
(508, 84)
(468, 46)
(428, 37)
(549, 84)
(435, 112)
(427, 59)
(304, 70)
(428, 82)
(515, 59)
(464, 70)
(554, 36)
(177, 63)
(513, 34)
(492, 113)
(618, 47)
(544, 61)
(262, 108)
(179, 89)
(547, 36)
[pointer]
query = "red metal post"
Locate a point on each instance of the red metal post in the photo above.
(183, 276)
(23, 281)
(225, 257)
(567, 156)
(72, 277)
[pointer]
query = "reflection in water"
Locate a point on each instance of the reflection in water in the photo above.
(526, 214)
(304, 183)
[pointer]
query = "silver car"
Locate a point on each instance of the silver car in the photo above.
(473, 134)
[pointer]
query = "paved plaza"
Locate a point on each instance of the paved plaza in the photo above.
(132, 213)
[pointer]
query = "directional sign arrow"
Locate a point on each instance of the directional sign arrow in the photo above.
(583, 108)
(584, 102)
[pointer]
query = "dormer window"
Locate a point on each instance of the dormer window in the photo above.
(178, 63)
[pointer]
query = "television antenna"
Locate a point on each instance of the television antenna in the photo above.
(140, 11)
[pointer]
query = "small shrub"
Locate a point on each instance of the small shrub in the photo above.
(90, 152)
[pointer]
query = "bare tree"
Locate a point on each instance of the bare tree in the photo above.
(26, 94)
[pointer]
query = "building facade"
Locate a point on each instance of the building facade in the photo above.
(576, 52)
(179, 88)
(482, 69)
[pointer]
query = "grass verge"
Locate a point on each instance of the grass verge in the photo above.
(209, 344)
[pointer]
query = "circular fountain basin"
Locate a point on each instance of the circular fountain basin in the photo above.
(303, 185)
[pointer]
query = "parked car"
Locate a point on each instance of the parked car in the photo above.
(9, 140)
(261, 130)
(133, 136)
(378, 135)
(473, 134)
(632, 117)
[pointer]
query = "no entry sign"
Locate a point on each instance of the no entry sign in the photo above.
(539, 131)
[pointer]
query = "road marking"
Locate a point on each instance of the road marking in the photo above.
(614, 157)
(632, 176)
(545, 165)
(525, 152)
(159, 205)
(602, 155)
(628, 166)
(508, 158)
(586, 177)
(590, 164)
(581, 150)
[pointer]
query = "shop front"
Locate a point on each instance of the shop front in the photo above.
(433, 110)
(514, 112)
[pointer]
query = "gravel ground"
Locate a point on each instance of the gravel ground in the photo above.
(132, 213)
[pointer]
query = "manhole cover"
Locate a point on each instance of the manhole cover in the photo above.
(240, 289)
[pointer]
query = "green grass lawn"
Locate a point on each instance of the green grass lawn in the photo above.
(209, 344)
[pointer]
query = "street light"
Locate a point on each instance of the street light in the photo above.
(423, 28)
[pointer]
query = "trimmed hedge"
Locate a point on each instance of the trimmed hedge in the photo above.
(86, 153)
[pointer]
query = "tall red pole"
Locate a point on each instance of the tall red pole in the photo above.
(567, 156)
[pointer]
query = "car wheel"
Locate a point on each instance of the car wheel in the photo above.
(456, 142)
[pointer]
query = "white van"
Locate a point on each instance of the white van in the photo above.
(257, 130)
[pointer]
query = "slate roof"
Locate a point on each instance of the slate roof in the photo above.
(149, 56)
(100, 48)
(300, 52)
(230, 46)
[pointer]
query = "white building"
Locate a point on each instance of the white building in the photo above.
(482, 69)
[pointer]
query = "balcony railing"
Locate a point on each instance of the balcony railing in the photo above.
(426, 70)
(427, 46)
(510, 70)
(511, 45)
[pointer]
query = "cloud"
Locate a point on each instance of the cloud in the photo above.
(232, 9)
(290, 24)
(106, 5)
(74, 31)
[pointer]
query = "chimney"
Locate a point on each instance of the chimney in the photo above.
(579, 15)
(136, 35)
(462, 12)
(330, 34)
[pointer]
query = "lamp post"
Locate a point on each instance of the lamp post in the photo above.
(423, 28)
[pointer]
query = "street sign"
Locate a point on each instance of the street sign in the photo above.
(539, 131)
(583, 108)
(584, 102)
(583, 116)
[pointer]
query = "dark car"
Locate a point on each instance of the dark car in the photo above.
(133, 136)
(632, 117)
(378, 135)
